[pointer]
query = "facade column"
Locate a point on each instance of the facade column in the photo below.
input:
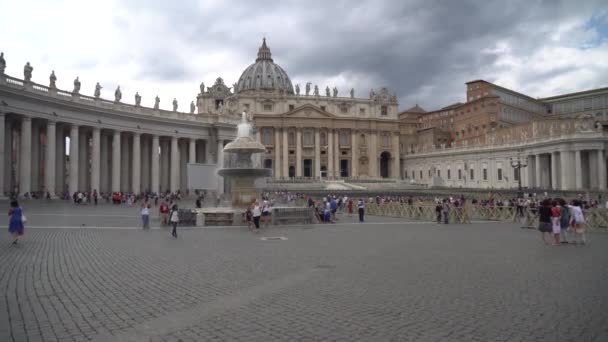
(354, 155)
(317, 154)
(285, 153)
(537, 171)
(104, 165)
(174, 183)
(578, 167)
(373, 155)
(49, 161)
(330, 154)
(3, 147)
(116, 162)
(192, 151)
(82, 160)
(125, 175)
(96, 160)
(155, 159)
(207, 157)
(25, 174)
(555, 174)
(397, 158)
(220, 164)
(73, 173)
(277, 153)
(35, 158)
(336, 160)
(298, 152)
(136, 179)
(601, 170)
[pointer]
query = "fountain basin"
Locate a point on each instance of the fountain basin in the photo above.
(244, 172)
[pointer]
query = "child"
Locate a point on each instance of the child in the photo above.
(555, 222)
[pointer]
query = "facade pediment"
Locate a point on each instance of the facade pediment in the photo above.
(308, 111)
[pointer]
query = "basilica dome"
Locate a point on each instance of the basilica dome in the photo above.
(264, 74)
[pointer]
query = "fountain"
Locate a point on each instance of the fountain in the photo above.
(241, 171)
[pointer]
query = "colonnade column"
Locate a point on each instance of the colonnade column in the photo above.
(353, 154)
(336, 159)
(220, 164)
(96, 160)
(555, 183)
(25, 174)
(373, 155)
(136, 179)
(174, 183)
(60, 163)
(285, 153)
(192, 151)
(116, 162)
(2, 159)
(578, 167)
(567, 176)
(277, 153)
(49, 165)
(155, 165)
(601, 171)
(317, 154)
(330, 154)
(537, 171)
(73, 174)
(298, 152)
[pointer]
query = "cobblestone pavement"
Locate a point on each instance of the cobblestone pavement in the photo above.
(385, 280)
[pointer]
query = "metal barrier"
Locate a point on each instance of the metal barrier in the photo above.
(596, 218)
(187, 217)
(290, 215)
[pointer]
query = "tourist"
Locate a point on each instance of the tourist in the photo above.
(249, 218)
(445, 211)
(198, 203)
(145, 215)
(333, 205)
(544, 221)
(266, 213)
(438, 209)
(164, 213)
(174, 218)
(555, 222)
(16, 221)
(361, 208)
(564, 220)
(256, 212)
(578, 222)
(350, 207)
(95, 196)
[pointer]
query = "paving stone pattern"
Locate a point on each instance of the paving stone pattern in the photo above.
(349, 282)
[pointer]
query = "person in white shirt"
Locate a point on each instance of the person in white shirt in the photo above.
(361, 208)
(256, 215)
(145, 215)
(174, 219)
(579, 222)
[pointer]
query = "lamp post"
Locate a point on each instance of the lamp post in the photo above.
(517, 165)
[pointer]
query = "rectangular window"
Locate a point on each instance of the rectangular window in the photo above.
(471, 174)
(267, 107)
(406, 174)
(429, 173)
(307, 138)
(459, 174)
(267, 136)
(516, 174)
(485, 174)
(246, 106)
(499, 174)
(361, 110)
(344, 139)
(322, 107)
(291, 107)
(420, 174)
(439, 173)
(384, 110)
(449, 174)
(413, 175)
(343, 110)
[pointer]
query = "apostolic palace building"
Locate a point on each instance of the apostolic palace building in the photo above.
(494, 139)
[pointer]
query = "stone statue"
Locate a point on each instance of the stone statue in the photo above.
(174, 104)
(27, 72)
(156, 102)
(76, 86)
(2, 63)
(316, 90)
(335, 91)
(352, 93)
(308, 88)
(297, 89)
(117, 94)
(97, 90)
(53, 80)
(599, 127)
(327, 91)
(371, 93)
(234, 86)
(193, 107)
(137, 99)
(202, 87)
(220, 107)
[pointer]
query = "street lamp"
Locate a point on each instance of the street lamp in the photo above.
(517, 165)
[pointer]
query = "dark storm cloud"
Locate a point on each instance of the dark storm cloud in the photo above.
(422, 50)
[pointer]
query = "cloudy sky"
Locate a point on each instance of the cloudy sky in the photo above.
(424, 52)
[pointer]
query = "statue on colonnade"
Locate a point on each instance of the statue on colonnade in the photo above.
(335, 91)
(2, 63)
(352, 93)
(327, 91)
(76, 86)
(308, 88)
(137, 99)
(174, 104)
(117, 94)
(193, 107)
(53, 80)
(156, 102)
(316, 92)
(27, 72)
(297, 89)
(97, 93)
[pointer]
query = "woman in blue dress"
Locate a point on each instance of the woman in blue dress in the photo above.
(15, 226)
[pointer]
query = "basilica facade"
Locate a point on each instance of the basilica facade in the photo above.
(495, 138)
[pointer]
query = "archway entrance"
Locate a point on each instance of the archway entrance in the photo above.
(385, 159)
